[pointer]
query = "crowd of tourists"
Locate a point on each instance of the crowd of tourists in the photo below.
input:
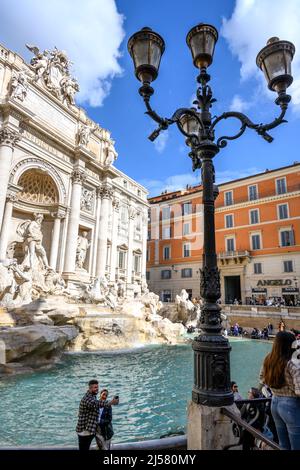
(279, 379)
(268, 301)
(255, 333)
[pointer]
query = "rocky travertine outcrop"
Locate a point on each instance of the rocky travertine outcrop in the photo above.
(36, 345)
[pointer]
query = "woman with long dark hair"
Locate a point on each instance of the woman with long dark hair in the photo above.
(282, 374)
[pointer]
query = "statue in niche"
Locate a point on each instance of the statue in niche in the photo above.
(31, 232)
(18, 85)
(81, 250)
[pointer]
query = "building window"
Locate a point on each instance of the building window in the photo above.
(186, 208)
(139, 192)
(166, 232)
(281, 186)
(252, 191)
(122, 259)
(166, 274)
(125, 183)
(147, 275)
(149, 234)
(186, 272)
(136, 263)
(229, 220)
(229, 244)
(165, 213)
(186, 229)
(287, 238)
(257, 268)
(255, 241)
(288, 266)
(186, 250)
(254, 216)
(283, 212)
(166, 296)
(124, 214)
(166, 252)
(148, 254)
(228, 198)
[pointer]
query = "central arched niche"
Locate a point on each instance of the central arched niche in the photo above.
(38, 188)
(39, 194)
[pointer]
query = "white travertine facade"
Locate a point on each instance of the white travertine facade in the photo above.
(56, 162)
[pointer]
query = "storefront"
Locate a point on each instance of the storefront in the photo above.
(259, 296)
(290, 295)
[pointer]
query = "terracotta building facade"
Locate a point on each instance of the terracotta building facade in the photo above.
(257, 237)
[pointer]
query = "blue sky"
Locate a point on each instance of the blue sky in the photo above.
(95, 32)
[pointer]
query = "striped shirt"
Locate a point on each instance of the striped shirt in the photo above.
(291, 387)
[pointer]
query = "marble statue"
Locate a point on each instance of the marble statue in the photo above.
(52, 69)
(31, 232)
(69, 86)
(15, 283)
(185, 307)
(84, 133)
(39, 62)
(18, 85)
(81, 250)
(111, 155)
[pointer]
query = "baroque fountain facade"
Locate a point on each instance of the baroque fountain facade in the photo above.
(73, 237)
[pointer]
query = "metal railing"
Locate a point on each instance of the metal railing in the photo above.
(243, 428)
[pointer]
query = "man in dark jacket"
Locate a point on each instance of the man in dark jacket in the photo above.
(88, 415)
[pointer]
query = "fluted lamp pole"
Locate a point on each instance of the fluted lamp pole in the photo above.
(211, 349)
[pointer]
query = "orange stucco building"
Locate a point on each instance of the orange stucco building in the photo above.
(257, 238)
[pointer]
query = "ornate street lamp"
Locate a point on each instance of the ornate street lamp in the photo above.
(211, 349)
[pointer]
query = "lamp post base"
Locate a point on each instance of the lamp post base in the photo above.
(208, 428)
(212, 370)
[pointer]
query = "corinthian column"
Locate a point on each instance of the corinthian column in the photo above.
(11, 197)
(58, 216)
(132, 214)
(78, 176)
(114, 238)
(144, 242)
(8, 139)
(106, 193)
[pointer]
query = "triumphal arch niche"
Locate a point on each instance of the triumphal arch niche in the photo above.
(66, 212)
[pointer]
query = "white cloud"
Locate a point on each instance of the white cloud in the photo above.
(179, 182)
(161, 141)
(252, 23)
(238, 104)
(90, 31)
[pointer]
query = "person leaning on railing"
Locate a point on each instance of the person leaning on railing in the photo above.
(281, 372)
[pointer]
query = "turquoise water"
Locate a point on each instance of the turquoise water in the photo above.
(154, 385)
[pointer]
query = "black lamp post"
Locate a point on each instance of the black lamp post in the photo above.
(211, 349)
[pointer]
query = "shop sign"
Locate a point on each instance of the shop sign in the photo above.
(259, 290)
(288, 290)
(274, 282)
